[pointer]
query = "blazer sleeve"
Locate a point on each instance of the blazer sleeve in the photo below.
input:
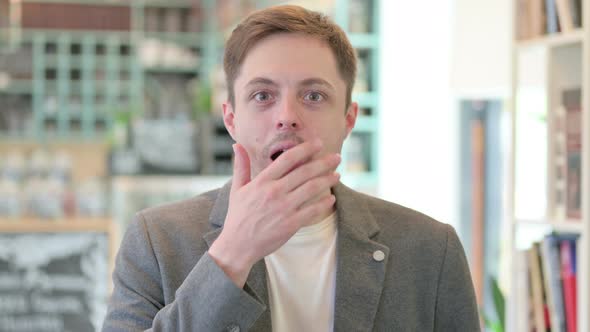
(207, 300)
(456, 307)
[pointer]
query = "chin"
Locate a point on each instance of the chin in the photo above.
(257, 169)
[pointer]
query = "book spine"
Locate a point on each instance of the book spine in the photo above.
(552, 278)
(523, 309)
(537, 288)
(552, 21)
(567, 248)
(565, 15)
(537, 18)
(575, 7)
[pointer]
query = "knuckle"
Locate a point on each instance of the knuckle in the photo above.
(270, 193)
(318, 168)
(283, 206)
(326, 168)
(334, 178)
(288, 159)
(313, 186)
(327, 181)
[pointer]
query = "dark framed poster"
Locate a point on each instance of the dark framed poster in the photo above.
(54, 280)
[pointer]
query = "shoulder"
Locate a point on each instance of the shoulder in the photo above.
(388, 213)
(407, 226)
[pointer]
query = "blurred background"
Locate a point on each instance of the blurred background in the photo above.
(471, 111)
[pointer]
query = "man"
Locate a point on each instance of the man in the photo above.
(285, 246)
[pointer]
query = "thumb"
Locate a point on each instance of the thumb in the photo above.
(241, 175)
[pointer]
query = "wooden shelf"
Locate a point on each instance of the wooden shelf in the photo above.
(17, 87)
(567, 226)
(553, 40)
(194, 39)
(100, 61)
(168, 4)
(83, 2)
(29, 35)
(173, 70)
(76, 224)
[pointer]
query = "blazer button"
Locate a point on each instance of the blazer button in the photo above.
(378, 255)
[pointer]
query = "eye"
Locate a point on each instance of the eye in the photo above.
(262, 96)
(314, 97)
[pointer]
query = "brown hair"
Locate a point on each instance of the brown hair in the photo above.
(292, 19)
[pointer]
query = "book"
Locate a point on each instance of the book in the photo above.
(576, 11)
(550, 254)
(564, 12)
(568, 275)
(551, 16)
(572, 102)
(536, 17)
(523, 28)
(538, 296)
(522, 293)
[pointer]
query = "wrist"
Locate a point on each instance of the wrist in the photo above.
(232, 261)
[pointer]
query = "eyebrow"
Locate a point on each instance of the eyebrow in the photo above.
(305, 82)
(261, 81)
(318, 81)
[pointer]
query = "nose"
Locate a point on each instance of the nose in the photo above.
(286, 124)
(288, 117)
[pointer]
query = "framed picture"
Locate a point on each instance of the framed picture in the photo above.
(55, 276)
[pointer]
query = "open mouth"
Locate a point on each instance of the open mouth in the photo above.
(281, 145)
(275, 155)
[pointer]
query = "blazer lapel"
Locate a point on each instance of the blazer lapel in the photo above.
(359, 276)
(256, 282)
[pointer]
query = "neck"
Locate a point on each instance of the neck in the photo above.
(324, 214)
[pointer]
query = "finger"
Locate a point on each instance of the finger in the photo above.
(311, 189)
(308, 171)
(290, 159)
(312, 211)
(241, 175)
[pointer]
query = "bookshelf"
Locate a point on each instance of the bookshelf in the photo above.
(77, 79)
(549, 187)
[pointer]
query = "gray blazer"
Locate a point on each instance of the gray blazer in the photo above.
(164, 280)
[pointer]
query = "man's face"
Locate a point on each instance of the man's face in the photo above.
(288, 91)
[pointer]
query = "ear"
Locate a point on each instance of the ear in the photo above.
(350, 117)
(228, 119)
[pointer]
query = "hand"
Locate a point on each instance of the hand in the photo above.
(265, 212)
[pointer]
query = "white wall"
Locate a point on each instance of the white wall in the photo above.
(433, 53)
(418, 128)
(481, 52)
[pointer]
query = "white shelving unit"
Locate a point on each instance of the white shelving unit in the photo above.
(543, 67)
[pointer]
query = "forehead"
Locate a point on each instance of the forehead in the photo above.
(288, 58)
